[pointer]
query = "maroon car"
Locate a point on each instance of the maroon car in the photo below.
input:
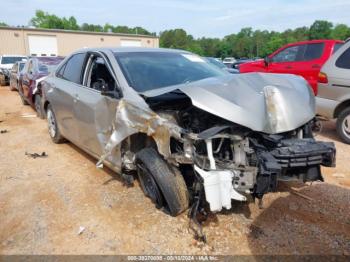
(35, 69)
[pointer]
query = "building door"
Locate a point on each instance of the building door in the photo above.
(131, 43)
(40, 45)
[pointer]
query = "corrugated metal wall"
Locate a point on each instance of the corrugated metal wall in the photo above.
(15, 41)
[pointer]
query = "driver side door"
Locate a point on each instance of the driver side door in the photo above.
(95, 111)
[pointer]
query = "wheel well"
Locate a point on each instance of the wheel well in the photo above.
(138, 141)
(46, 104)
(341, 107)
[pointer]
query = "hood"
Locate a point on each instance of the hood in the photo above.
(6, 66)
(269, 103)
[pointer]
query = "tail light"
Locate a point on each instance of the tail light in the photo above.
(322, 78)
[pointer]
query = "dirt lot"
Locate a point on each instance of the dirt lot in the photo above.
(44, 202)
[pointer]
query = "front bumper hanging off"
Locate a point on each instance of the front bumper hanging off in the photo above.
(292, 159)
(289, 159)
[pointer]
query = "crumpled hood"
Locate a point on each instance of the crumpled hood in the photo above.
(269, 103)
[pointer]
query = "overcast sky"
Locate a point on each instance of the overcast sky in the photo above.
(210, 18)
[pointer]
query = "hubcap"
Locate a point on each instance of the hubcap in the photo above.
(52, 123)
(346, 126)
(37, 105)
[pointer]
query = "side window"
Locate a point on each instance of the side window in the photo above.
(313, 51)
(99, 77)
(287, 55)
(72, 70)
(343, 60)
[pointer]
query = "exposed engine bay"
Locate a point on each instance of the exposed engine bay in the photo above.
(233, 160)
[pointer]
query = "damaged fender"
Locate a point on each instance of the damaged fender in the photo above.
(131, 119)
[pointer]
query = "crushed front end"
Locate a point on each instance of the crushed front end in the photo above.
(236, 162)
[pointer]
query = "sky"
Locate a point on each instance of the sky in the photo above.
(200, 18)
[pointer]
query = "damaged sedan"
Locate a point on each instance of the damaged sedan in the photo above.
(193, 134)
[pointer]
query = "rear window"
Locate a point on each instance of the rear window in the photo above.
(11, 59)
(313, 51)
(343, 60)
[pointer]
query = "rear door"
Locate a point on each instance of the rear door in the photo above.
(339, 77)
(94, 111)
(310, 62)
(28, 77)
(63, 96)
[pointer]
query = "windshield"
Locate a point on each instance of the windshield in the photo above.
(48, 66)
(11, 59)
(151, 70)
(216, 62)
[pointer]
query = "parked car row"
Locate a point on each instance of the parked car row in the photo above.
(6, 63)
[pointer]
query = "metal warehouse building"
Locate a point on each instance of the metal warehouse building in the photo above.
(51, 42)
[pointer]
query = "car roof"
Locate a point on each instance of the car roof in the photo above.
(13, 56)
(132, 49)
(316, 41)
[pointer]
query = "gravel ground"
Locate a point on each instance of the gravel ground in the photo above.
(62, 204)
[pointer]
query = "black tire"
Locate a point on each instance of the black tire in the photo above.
(343, 125)
(24, 101)
(38, 107)
(162, 183)
(54, 132)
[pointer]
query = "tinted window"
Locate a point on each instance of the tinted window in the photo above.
(344, 60)
(313, 51)
(11, 59)
(287, 55)
(336, 47)
(72, 70)
(150, 70)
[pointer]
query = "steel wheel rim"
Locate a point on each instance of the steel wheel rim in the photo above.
(52, 123)
(37, 105)
(346, 126)
(149, 185)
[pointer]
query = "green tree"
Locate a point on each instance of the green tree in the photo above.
(341, 32)
(3, 24)
(320, 29)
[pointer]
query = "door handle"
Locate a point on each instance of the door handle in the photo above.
(316, 66)
(288, 67)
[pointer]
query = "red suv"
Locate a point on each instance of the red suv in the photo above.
(303, 58)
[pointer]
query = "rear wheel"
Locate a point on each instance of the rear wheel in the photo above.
(343, 125)
(159, 181)
(54, 132)
(24, 101)
(2, 81)
(38, 107)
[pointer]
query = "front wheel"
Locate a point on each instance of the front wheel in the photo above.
(162, 183)
(54, 132)
(343, 125)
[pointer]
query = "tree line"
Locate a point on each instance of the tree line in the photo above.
(246, 43)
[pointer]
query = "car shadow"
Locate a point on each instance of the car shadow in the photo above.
(315, 220)
(114, 176)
